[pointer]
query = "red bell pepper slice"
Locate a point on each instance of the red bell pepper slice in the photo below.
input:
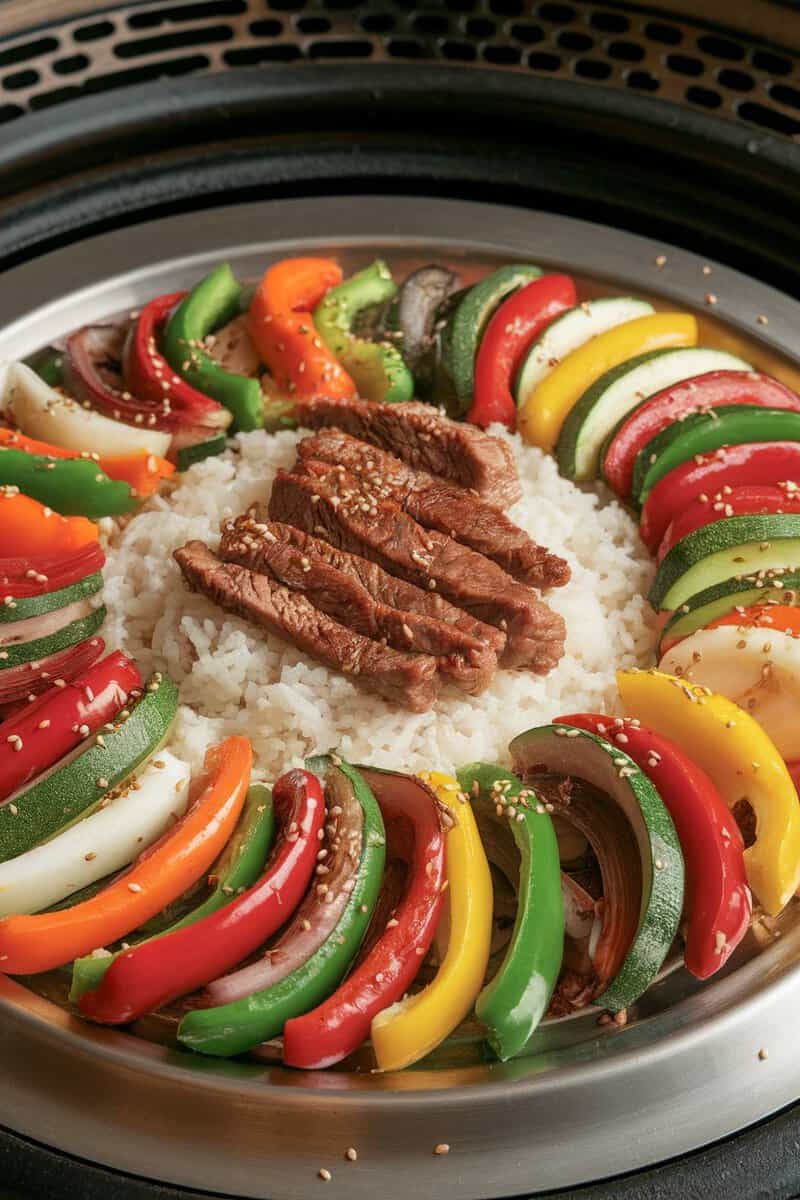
(151, 975)
(699, 394)
(414, 836)
(734, 502)
(23, 577)
(510, 332)
(53, 724)
(282, 328)
(30, 944)
(718, 900)
(149, 376)
(730, 466)
(31, 679)
(781, 618)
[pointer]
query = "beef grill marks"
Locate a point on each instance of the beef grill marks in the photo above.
(328, 501)
(407, 679)
(423, 438)
(268, 547)
(440, 505)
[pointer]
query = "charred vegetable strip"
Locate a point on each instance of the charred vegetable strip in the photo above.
(213, 302)
(283, 333)
(513, 1004)
(29, 944)
(127, 821)
(78, 785)
(71, 486)
(515, 324)
(237, 869)
(718, 902)
(410, 1029)
(602, 792)
(321, 953)
(743, 763)
(414, 835)
(54, 724)
(376, 368)
(28, 528)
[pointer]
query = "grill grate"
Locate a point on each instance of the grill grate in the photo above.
(680, 59)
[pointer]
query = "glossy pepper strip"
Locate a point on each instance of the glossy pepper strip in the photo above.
(28, 527)
(282, 328)
(377, 369)
(213, 302)
(141, 470)
(518, 320)
(237, 869)
(29, 680)
(733, 502)
(546, 409)
(718, 903)
(699, 394)
(54, 724)
(71, 486)
(410, 1029)
(732, 466)
(23, 577)
(29, 944)
(238, 1026)
(149, 376)
(742, 762)
(782, 618)
(150, 975)
(414, 835)
(514, 1002)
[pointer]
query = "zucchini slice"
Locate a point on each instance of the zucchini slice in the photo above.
(729, 549)
(614, 396)
(781, 587)
(24, 608)
(15, 655)
(569, 332)
(567, 752)
(78, 785)
(464, 329)
(702, 433)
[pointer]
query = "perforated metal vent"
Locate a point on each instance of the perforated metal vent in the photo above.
(677, 58)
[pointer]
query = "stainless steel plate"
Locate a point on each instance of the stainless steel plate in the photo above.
(588, 1102)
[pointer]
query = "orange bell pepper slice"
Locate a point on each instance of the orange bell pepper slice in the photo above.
(29, 944)
(782, 618)
(28, 528)
(141, 470)
(282, 328)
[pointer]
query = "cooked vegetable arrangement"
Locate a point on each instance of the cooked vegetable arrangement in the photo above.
(349, 904)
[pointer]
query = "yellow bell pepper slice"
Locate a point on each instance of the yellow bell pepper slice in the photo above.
(743, 762)
(410, 1029)
(540, 418)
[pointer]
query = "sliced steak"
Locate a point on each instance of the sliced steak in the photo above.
(407, 679)
(437, 504)
(424, 438)
(388, 589)
(328, 501)
(259, 545)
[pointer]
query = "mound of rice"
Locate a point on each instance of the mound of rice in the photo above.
(234, 678)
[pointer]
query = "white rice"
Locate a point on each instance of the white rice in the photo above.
(234, 678)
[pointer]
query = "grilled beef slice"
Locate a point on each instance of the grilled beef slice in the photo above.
(259, 546)
(388, 589)
(328, 501)
(437, 504)
(407, 679)
(424, 438)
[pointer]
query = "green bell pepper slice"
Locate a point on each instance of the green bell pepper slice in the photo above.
(212, 303)
(233, 1028)
(514, 1002)
(376, 368)
(48, 363)
(74, 487)
(236, 869)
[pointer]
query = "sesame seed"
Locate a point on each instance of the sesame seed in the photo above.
(325, 1175)
(710, 298)
(442, 1148)
(660, 260)
(763, 1054)
(351, 1154)
(134, 887)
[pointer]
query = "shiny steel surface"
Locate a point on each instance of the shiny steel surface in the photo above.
(589, 1101)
